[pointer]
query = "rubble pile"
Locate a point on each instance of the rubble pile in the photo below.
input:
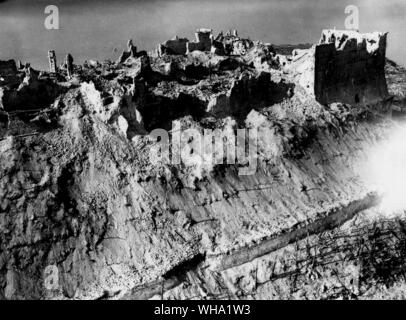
(81, 194)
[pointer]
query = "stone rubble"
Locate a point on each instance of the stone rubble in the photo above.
(78, 190)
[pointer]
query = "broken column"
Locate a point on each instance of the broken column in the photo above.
(69, 65)
(52, 61)
(131, 48)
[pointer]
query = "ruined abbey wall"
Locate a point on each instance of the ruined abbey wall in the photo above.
(204, 39)
(174, 46)
(349, 67)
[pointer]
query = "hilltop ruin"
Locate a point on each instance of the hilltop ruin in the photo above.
(344, 67)
(79, 191)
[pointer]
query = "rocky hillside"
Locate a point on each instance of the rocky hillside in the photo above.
(83, 202)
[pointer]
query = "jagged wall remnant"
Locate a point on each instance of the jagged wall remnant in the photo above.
(181, 46)
(228, 44)
(349, 67)
(249, 91)
(204, 40)
(131, 52)
(175, 46)
(24, 89)
(346, 66)
(233, 44)
(52, 61)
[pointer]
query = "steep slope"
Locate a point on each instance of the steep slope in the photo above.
(83, 202)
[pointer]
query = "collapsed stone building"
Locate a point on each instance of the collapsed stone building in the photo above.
(233, 44)
(174, 46)
(228, 44)
(52, 61)
(83, 195)
(345, 66)
(131, 52)
(24, 89)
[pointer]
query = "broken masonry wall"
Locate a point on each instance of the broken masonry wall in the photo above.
(218, 48)
(24, 93)
(193, 46)
(223, 45)
(246, 93)
(174, 46)
(204, 40)
(349, 67)
(241, 46)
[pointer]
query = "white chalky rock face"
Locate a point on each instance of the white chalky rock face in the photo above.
(122, 124)
(93, 100)
(92, 96)
(12, 284)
